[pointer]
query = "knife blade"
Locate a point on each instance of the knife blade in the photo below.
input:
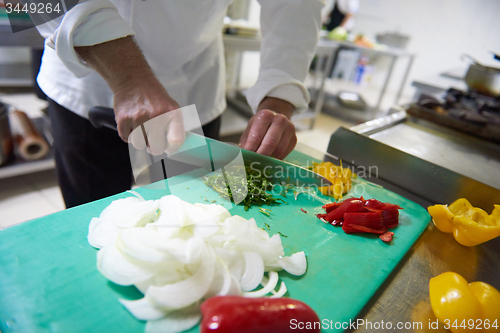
(212, 154)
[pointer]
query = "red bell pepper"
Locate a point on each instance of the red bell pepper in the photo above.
(360, 215)
(223, 314)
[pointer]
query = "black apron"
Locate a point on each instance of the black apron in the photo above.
(335, 18)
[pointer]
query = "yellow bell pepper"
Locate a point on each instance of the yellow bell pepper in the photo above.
(339, 176)
(463, 306)
(470, 225)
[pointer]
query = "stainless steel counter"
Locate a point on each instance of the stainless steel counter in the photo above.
(414, 156)
(465, 154)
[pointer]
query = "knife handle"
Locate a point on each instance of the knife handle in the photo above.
(100, 116)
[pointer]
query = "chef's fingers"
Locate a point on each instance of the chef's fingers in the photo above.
(273, 136)
(258, 129)
(137, 138)
(291, 145)
(288, 137)
(124, 128)
(157, 140)
(244, 136)
(176, 133)
(156, 129)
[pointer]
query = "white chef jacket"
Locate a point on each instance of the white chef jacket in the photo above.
(182, 42)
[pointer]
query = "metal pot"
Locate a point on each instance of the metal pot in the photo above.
(483, 79)
(6, 143)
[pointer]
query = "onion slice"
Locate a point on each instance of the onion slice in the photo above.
(281, 292)
(271, 284)
(143, 309)
(254, 270)
(296, 264)
(117, 268)
(176, 321)
(102, 232)
(181, 294)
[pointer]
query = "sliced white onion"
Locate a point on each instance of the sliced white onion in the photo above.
(143, 285)
(130, 212)
(102, 232)
(170, 272)
(176, 321)
(271, 284)
(217, 210)
(254, 270)
(275, 294)
(183, 293)
(296, 264)
(116, 267)
(273, 266)
(143, 309)
(171, 212)
(177, 248)
(139, 243)
(281, 292)
(230, 285)
(207, 227)
(178, 254)
(234, 260)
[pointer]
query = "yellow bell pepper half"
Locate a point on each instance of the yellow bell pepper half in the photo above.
(339, 176)
(463, 306)
(470, 225)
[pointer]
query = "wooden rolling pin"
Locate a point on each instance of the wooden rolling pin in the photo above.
(30, 145)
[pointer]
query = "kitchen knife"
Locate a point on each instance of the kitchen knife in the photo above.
(219, 155)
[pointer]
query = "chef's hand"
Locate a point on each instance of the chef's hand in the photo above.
(147, 103)
(270, 131)
(138, 96)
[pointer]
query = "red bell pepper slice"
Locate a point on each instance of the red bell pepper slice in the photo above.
(351, 206)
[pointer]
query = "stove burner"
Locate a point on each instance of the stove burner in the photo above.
(469, 106)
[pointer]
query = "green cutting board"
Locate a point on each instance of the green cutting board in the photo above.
(49, 281)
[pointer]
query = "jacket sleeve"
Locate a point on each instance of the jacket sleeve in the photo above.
(90, 22)
(290, 31)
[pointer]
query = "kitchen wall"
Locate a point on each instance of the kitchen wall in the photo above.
(441, 30)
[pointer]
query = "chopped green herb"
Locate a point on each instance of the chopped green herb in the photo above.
(265, 211)
(267, 226)
(213, 201)
(282, 234)
(243, 185)
(187, 188)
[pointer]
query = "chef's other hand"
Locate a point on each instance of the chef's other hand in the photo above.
(138, 95)
(270, 131)
(147, 103)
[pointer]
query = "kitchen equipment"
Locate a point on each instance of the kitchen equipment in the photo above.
(5, 135)
(30, 145)
(470, 112)
(213, 155)
(351, 100)
(49, 279)
(483, 79)
(393, 39)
